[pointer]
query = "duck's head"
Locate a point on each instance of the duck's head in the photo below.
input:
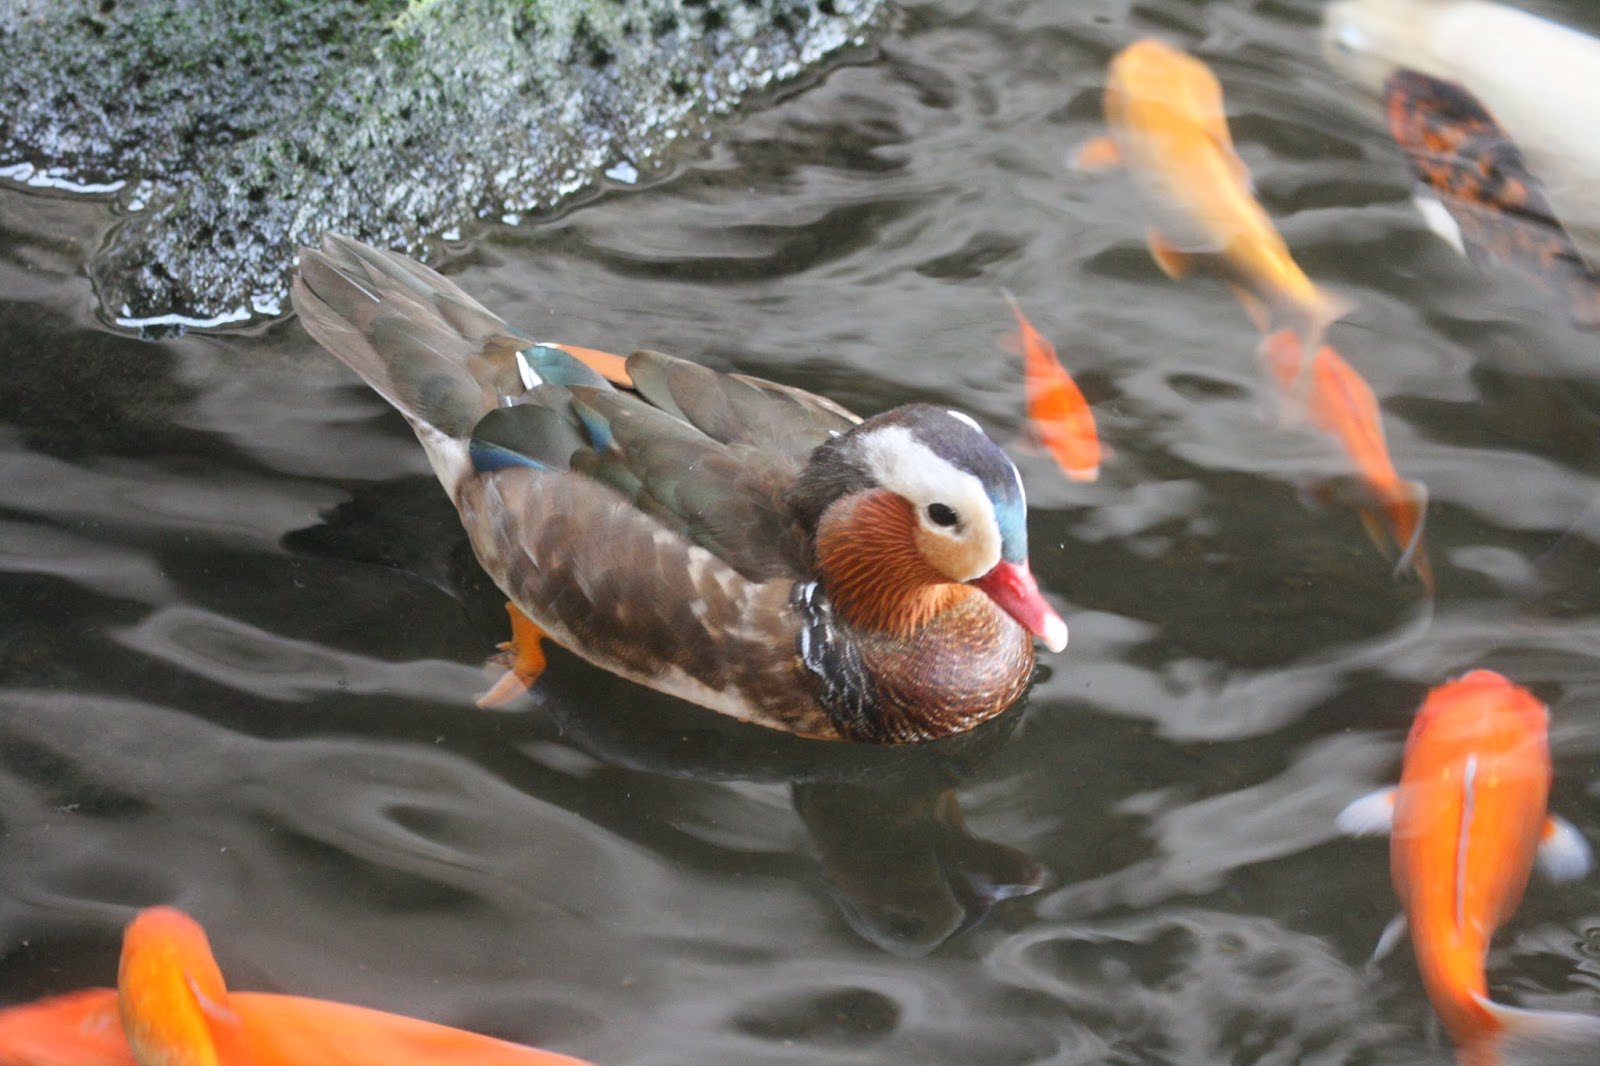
(912, 502)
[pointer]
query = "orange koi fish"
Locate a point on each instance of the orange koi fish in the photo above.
(171, 1008)
(75, 1029)
(1468, 821)
(1338, 401)
(1166, 123)
(1057, 411)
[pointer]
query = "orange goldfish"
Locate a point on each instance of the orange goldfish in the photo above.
(1057, 410)
(171, 1008)
(1468, 820)
(1338, 401)
(75, 1029)
(1165, 121)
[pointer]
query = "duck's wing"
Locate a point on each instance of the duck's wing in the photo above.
(707, 455)
(737, 409)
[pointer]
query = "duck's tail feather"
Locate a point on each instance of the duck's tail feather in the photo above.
(1532, 1037)
(435, 353)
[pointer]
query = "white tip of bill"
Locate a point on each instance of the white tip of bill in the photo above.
(1055, 633)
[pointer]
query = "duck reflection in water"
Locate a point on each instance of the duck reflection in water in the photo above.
(898, 859)
(904, 868)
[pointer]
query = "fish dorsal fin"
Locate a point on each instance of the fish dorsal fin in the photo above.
(1469, 801)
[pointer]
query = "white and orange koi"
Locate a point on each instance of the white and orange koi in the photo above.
(1468, 822)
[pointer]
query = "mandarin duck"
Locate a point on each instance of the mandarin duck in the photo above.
(744, 545)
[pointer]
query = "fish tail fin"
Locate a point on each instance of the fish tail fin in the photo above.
(1397, 518)
(1309, 321)
(1408, 512)
(1541, 1036)
(1016, 341)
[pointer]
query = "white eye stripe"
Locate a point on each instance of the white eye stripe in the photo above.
(898, 461)
(904, 465)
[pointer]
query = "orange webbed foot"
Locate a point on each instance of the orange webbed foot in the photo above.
(522, 658)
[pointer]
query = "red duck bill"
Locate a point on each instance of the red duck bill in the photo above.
(1012, 587)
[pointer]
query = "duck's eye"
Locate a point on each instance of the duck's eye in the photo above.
(941, 515)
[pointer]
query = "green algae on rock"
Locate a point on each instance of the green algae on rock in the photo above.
(234, 132)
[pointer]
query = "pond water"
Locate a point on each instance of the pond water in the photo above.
(241, 630)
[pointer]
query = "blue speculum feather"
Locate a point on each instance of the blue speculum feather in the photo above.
(487, 458)
(596, 427)
(556, 367)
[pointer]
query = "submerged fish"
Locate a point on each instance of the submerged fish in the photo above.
(171, 1008)
(171, 996)
(1165, 122)
(74, 1029)
(1468, 820)
(1466, 166)
(1332, 396)
(1540, 80)
(1057, 412)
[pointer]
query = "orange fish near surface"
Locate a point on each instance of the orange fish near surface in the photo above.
(1468, 821)
(1335, 398)
(171, 1008)
(1057, 412)
(1166, 123)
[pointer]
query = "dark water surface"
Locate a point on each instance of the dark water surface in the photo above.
(240, 628)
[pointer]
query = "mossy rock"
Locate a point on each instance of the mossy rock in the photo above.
(238, 131)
